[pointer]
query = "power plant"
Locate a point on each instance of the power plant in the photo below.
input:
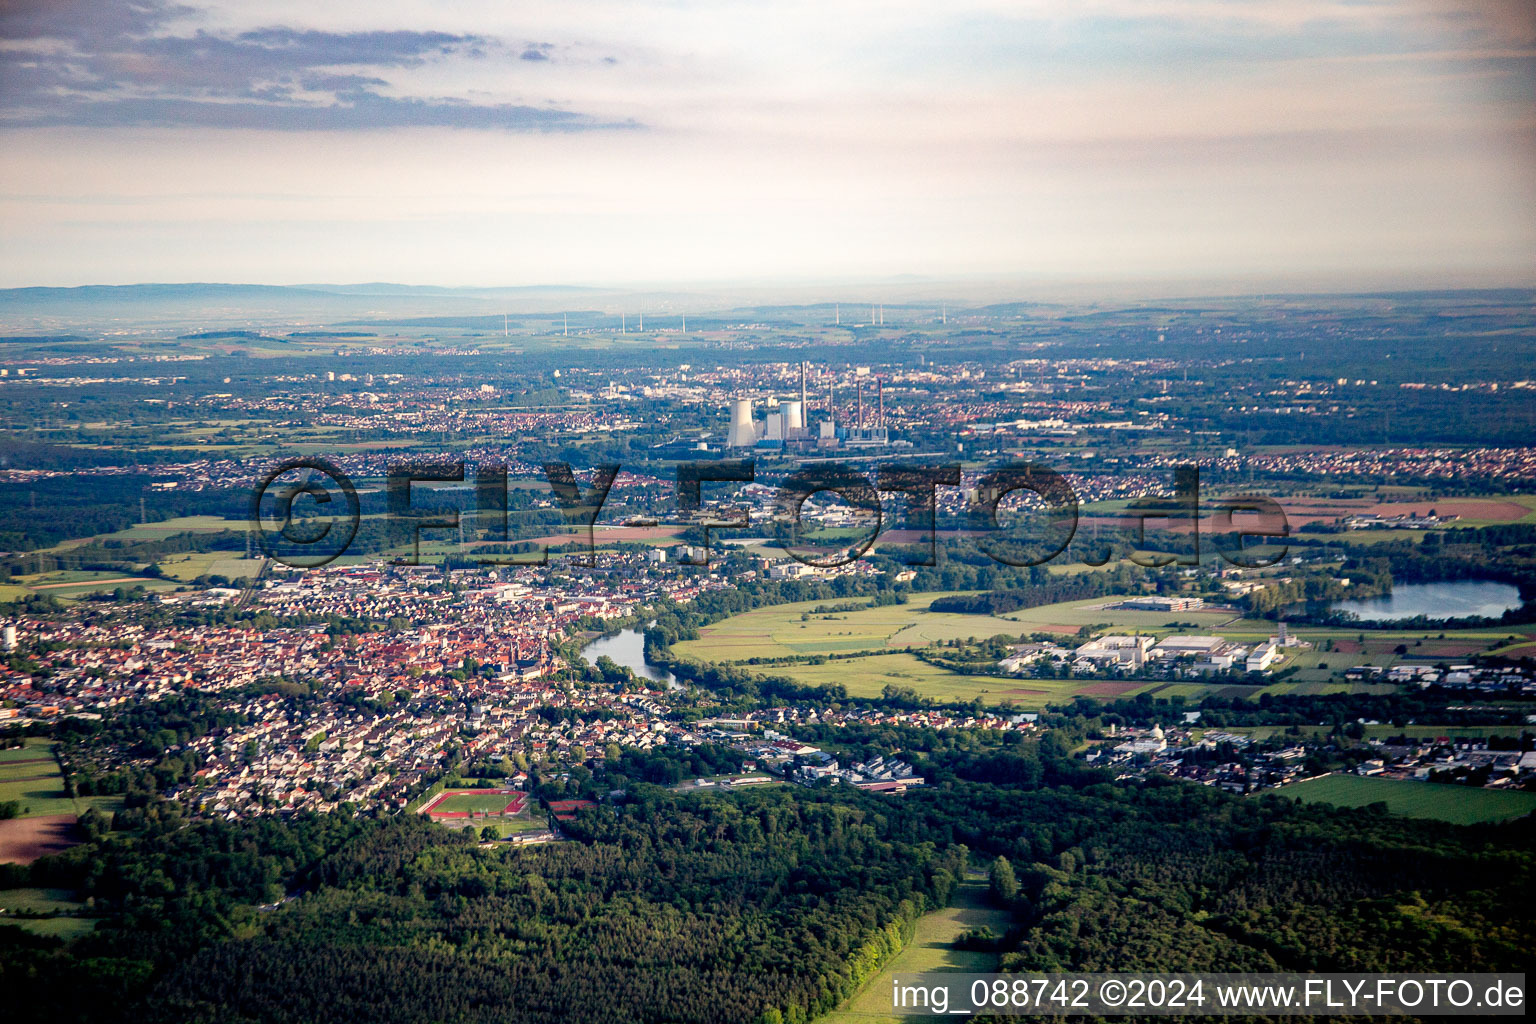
(787, 423)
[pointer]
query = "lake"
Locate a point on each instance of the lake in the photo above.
(1455, 599)
(627, 648)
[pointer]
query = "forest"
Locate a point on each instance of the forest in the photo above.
(765, 905)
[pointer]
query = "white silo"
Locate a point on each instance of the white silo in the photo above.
(10, 638)
(743, 432)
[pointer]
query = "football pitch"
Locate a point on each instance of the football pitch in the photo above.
(473, 802)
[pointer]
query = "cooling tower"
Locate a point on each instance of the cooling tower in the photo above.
(794, 418)
(743, 432)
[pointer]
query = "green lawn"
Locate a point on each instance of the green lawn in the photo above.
(931, 949)
(1459, 805)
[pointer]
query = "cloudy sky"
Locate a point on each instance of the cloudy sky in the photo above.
(600, 142)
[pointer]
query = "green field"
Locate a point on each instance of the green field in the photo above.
(778, 631)
(30, 775)
(797, 629)
(68, 583)
(64, 928)
(889, 631)
(867, 677)
(190, 566)
(931, 949)
(1459, 805)
(44, 901)
(1381, 732)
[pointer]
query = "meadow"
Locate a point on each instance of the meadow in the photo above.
(931, 949)
(1458, 805)
(798, 629)
(31, 776)
(887, 634)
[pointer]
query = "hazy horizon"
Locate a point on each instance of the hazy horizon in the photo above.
(1305, 144)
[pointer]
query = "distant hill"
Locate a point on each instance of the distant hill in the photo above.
(149, 293)
(196, 308)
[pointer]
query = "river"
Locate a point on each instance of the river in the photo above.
(1452, 599)
(627, 648)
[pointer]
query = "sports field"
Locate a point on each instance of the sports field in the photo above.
(1459, 805)
(931, 949)
(466, 802)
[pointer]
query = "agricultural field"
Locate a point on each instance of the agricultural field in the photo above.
(1381, 732)
(30, 776)
(1070, 616)
(44, 901)
(868, 677)
(931, 949)
(68, 583)
(1459, 805)
(189, 566)
(888, 632)
(797, 629)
